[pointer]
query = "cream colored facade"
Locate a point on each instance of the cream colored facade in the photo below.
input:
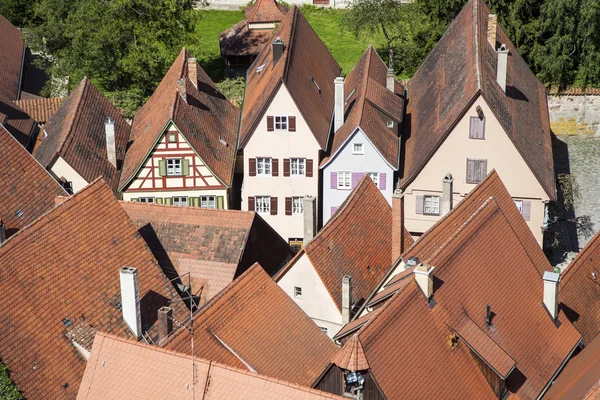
(451, 157)
(61, 169)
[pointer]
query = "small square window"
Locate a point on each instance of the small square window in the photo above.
(390, 124)
(180, 201)
(173, 166)
(207, 201)
(344, 180)
(323, 329)
(297, 292)
(431, 205)
(358, 148)
(281, 123)
(172, 137)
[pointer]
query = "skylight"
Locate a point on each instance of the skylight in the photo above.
(312, 79)
(350, 95)
(20, 214)
(223, 142)
(260, 68)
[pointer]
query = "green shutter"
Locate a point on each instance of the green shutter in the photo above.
(220, 202)
(194, 201)
(135, 200)
(169, 201)
(162, 167)
(185, 167)
(159, 200)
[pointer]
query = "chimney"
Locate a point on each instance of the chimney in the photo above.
(2, 232)
(130, 300)
(491, 29)
(111, 146)
(310, 218)
(447, 193)
(182, 89)
(397, 224)
(193, 71)
(502, 67)
(346, 298)
(340, 103)
(165, 322)
(551, 293)
(277, 50)
(390, 81)
(424, 278)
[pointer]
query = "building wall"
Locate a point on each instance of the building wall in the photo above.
(452, 155)
(345, 160)
(573, 115)
(316, 301)
(61, 169)
(281, 145)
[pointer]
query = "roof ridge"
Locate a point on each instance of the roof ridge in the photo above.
(182, 75)
(85, 82)
(294, 10)
(477, 52)
(364, 86)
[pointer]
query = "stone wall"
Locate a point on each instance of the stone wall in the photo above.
(575, 114)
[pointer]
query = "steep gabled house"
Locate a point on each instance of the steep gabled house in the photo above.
(183, 142)
(286, 125)
(85, 139)
(474, 314)
(79, 268)
(357, 242)
(473, 106)
(243, 42)
(12, 58)
(367, 120)
(253, 325)
(213, 246)
(26, 190)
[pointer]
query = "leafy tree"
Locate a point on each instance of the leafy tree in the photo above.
(8, 390)
(19, 12)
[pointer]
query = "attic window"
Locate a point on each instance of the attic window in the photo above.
(260, 68)
(312, 79)
(20, 214)
(223, 142)
(297, 292)
(390, 124)
(350, 95)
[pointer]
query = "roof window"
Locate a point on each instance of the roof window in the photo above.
(350, 95)
(223, 142)
(260, 68)
(20, 214)
(312, 79)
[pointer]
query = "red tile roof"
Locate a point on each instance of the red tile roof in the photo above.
(77, 134)
(458, 69)
(265, 11)
(12, 51)
(205, 118)
(263, 330)
(17, 122)
(61, 270)
(240, 40)
(352, 356)
(40, 109)
(305, 64)
(214, 246)
(24, 185)
(125, 369)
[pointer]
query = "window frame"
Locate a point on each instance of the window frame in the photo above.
(284, 123)
(172, 169)
(263, 206)
(520, 208)
(297, 204)
(347, 179)
(299, 162)
(376, 180)
(430, 196)
(214, 201)
(362, 148)
(147, 200)
(475, 160)
(181, 200)
(482, 129)
(261, 171)
(298, 292)
(324, 329)
(171, 137)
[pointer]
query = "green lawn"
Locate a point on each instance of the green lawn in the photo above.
(327, 23)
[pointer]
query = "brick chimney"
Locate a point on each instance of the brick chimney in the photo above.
(390, 81)
(491, 29)
(397, 224)
(165, 322)
(193, 71)
(502, 67)
(277, 50)
(424, 278)
(310, 218)
(181, 88)
(346, 298)
(551, 293)
(2, 232)
(340, 103)
(111, 146)
(447, 184)
(130, 300)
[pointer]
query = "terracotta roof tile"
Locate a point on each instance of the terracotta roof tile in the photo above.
(12, 49)
(574, 91)
(77, 134)
(240, 40)
(16, 121)
(42, 109)
(61, 270)
(265, 11)
(280, 341)
(305, 59)
(459, 68)
(352, 356)
(123, 369)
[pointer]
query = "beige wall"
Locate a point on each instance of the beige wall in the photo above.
(62, 169)
(501, 154)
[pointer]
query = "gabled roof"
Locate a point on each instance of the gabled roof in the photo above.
(12, 53)
(254, 324)
(461, 67)
(205, 118)
(16, 121)
(265, 11)
(77, 134)
(24, 185)
(42, 109)
(306, 68)
(125, 369)
(240, 40)
(214, 246)
(369, 105)
(356, 241)
(63, 270)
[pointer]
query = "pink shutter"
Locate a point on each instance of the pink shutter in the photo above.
(419, 205)
(334, 180)
(355, 179)
(527, 210)
(333, 210)
(382, 182)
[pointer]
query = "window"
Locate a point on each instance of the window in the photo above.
(180, 201)
(477, 128)
(431, 205)
(172, 137)
(207, 202)
(297, 292)
(146, 199)
(298, 166)
(296, 244)
(263, 166)
(173, 166)
(357, 148)
(374, 177)
(323, 329)
(476, 170)
(524, 207)
(390, 124)
(262, 204)
(519, 204)
(297, 205)
(344, 180)
(281, 122)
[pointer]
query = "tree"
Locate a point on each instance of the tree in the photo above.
(18, 12)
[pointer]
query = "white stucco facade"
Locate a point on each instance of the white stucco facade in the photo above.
(61, 169)
(346, 160)
(315, 301)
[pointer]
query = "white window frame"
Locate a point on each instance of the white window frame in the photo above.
(344, 180)
(298, 292)
(264, 166)
(262, 204)
(434, 206)
(174, 166)
(360, 150)
(282, 121)
(208, 201)
(298, 166)
(297, 205)
(519, 204)
(374, 177)
(181, 201)
(149, 200)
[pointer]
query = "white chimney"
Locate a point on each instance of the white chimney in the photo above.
(340, 103)
(111, 146)
(346, 298)
(182, 89)
(193, 71)
(491, 29)
(551, 293)
(310, 218)
(424, 278)
(447, 193)
(502, 67)
(130, 300)
(390, 81)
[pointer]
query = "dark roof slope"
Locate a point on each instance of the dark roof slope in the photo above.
(458, 69)
(16, 121)
(63, 270)
(265, 11)
(12, 50)
(76, 132)
(253, 323)
(306, 68)
(205, 118)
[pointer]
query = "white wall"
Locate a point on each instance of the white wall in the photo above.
(61, 169)
(316, 301)
(344, 160)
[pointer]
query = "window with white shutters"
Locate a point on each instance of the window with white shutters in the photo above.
(476, 170)
(477, 128)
